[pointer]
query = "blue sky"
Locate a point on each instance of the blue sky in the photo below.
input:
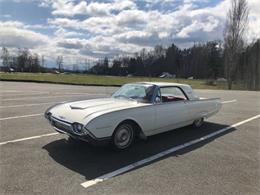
(84, 30)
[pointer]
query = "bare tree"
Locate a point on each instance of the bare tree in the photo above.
(23, 60)
(5, 57)
(87, 64)
(59, 62)
(43, 61)
(236, 24)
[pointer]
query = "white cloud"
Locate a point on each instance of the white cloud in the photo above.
(195, 1)
(11, 24)
(68, 8)
(253, 31)
(132, 18)
(12, 34)
(62, 33)
(196, 25)
(97, 9)
(147, 28)
(122, 5)
(183, 21)
(71, 8)
(70, 43)
(65, 22)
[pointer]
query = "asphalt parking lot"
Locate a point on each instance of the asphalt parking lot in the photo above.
(36, 160)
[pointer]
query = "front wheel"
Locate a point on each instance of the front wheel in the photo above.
(198, 123)
(123, 136)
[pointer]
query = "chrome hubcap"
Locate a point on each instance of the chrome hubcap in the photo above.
(123, 136)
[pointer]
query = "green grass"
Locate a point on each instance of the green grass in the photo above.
(85, 79)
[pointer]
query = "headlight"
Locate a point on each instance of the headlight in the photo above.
(78, 128)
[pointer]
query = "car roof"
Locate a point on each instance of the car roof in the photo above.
(186, 88)
(164, 84)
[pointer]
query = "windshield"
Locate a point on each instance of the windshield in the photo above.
(140, 92)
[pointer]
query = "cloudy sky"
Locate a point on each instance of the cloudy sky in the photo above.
(89, 29)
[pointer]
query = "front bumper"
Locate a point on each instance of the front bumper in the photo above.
(65, 127)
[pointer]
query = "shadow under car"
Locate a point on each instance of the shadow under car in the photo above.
(93, 162)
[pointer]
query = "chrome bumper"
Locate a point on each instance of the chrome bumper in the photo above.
(65, 127)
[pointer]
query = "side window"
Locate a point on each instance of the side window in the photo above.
(170, 94)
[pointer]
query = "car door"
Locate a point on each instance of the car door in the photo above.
(170, 113)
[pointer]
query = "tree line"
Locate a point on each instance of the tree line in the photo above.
(201, 61)
(22, 61)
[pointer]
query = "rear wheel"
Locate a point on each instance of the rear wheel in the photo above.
(123, 136)
(198, 123)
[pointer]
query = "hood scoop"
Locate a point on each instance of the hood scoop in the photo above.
(86, 105)
(82, 107)
(76, 107)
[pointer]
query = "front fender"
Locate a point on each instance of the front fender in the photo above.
(104, 125)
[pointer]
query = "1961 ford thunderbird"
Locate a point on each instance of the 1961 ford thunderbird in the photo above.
(134, 110)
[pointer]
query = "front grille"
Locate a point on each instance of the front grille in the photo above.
(61, 125)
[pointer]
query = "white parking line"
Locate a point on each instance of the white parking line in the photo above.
(25, 98)
(10, 91)
(54, 96)
(22, 94)
(229, 101)
(23, 116)
(28, 138)
(23, 105)
(161, 154)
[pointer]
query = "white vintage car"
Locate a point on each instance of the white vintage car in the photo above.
(134, 110)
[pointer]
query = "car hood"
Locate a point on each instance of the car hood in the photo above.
(83, 111)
